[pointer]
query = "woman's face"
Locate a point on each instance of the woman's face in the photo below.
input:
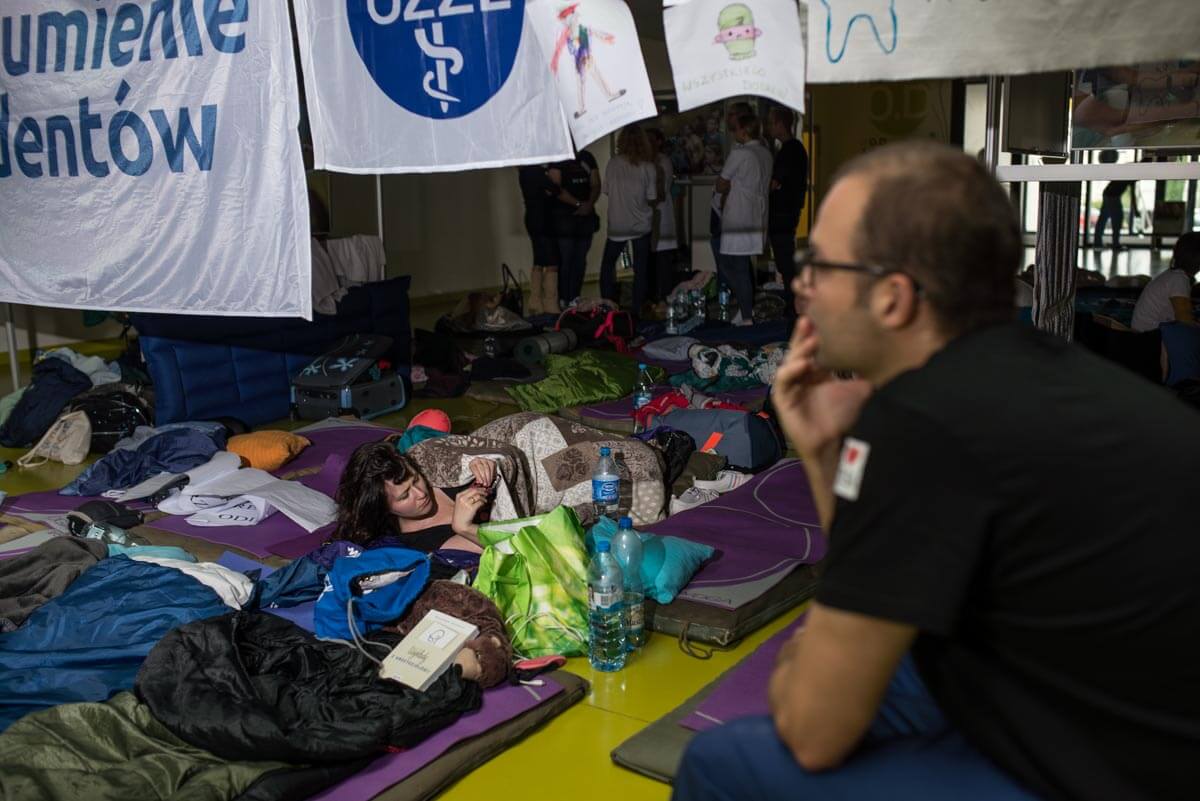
(410, 499)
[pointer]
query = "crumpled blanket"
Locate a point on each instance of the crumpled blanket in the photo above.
(573, 379)
(444, 462)
(724, 368)
(174, 451)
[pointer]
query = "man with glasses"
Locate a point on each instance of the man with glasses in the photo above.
(1003, 613)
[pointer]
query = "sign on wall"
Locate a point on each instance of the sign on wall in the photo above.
(592, 49)
(723, 49)
(149, 159)
(426, 86)
(892, 40)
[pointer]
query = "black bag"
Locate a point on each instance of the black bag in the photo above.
(599, 328)
(511, 296)
(114, 411)
(102, 513)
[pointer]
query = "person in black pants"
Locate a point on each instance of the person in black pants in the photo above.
(575, 220)
(789, 187)
(537, 190)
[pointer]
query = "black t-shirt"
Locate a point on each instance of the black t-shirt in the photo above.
(791, 171)
(1031, 509)
(538, 191)
(433, 538)
(577, 181)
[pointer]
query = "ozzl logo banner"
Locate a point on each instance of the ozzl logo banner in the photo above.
(426, 86)
(149, 159)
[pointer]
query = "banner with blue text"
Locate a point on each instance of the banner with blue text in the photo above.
(149, 158)
(396, 86)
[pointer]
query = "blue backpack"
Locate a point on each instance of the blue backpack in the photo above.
(363, 593)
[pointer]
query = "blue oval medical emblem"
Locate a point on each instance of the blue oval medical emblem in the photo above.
(438, 58)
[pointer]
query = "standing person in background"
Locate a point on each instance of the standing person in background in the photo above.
(789, 187)
(665, 240)
(741, 201)
(575, 221)
(537, 190)
(1111, 206)
(631, 185)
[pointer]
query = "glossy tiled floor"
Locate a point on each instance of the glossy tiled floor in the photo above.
(569, 757)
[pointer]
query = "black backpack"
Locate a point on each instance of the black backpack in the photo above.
(114, 411)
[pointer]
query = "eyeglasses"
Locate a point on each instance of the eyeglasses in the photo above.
(807, 265)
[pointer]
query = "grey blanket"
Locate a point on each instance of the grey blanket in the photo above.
(30, 580)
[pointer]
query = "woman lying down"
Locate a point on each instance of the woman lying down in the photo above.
(434, 497)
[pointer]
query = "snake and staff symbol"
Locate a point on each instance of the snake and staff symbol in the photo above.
(447, 60)
(577, 39)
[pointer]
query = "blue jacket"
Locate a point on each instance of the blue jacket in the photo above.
(369, 610)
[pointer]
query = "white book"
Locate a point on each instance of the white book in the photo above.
(428, 650)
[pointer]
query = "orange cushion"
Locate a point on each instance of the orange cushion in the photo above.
(267, 450)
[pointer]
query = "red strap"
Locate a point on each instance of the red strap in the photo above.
(710, 444)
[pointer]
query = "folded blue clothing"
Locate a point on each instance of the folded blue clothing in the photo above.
(668, 563)
(174, 451)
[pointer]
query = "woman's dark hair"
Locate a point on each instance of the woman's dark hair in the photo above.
(1187, 253)
(363, 511)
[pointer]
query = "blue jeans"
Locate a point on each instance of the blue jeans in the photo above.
(641, 270)
(910, 753)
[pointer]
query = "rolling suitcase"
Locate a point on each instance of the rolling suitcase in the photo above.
(352, 379)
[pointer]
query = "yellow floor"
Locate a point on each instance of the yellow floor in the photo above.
(569, 757)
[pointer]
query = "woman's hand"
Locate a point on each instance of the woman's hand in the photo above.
(484, 471)
(466, 508)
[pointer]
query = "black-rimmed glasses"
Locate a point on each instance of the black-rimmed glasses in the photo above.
(807, 265)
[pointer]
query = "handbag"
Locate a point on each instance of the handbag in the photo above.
(511, 296)
(535, 571)
(68, 440)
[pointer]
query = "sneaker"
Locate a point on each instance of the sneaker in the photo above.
(726, 481)
(691, 498)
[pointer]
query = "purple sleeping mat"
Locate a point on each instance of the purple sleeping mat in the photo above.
(332, 443)
(742, 692)
(762, 531)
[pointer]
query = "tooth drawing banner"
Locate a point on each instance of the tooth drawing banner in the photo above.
(893, 40)
(722, 48)
(398, 86)
(593, 53)
(149, 158)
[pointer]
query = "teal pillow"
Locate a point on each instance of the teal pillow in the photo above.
(668, 563)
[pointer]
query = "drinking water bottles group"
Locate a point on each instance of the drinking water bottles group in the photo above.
(616, 601)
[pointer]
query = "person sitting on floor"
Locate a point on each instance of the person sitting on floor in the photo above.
(383, 492)
(1168, 297)
(1002, 614)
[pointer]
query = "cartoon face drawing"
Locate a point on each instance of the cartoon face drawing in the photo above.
(737, 31)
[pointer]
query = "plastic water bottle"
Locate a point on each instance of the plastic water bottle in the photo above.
(643, 393)
(606, 485)
(606, 628)
(723, 304)
(672, 318)
(699, 305)
(627, 547)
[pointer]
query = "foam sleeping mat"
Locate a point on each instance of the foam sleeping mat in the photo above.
(768, 545)
(739, 692)
(617, 416)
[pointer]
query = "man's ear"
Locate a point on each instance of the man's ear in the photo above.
(894, 301)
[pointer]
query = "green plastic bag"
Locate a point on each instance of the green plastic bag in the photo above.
(535, 571)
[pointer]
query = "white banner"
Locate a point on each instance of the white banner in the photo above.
(593, 51)
(149, 158)
(426, 86)
(893, 40)
(720, 49)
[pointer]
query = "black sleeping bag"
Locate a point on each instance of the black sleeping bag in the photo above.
(254, 683)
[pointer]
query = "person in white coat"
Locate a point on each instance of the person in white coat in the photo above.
(741, 200)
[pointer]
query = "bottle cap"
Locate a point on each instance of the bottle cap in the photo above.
(641, 366)
(603, 546)
(606, 451)
(626, 522)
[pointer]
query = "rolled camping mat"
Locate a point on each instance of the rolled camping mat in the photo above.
(533, 350)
